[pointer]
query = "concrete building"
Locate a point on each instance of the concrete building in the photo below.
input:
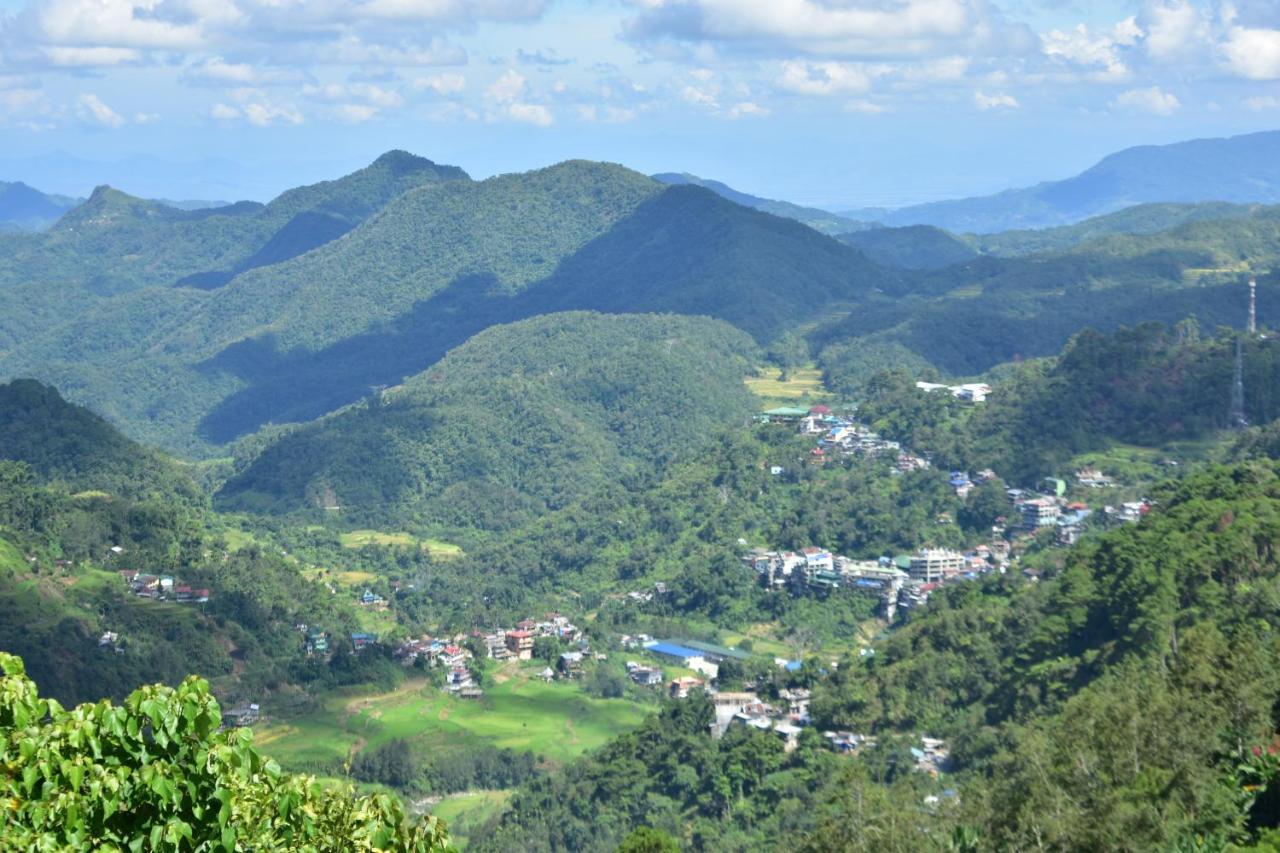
(931, 565)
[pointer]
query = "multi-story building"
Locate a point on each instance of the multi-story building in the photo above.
(1038, 512)
(931, 565)
(520, 644)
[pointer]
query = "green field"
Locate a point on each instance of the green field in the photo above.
(464, 813)
(361, 538)
(556, 721)
(804, 385)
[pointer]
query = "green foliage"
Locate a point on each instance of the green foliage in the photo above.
(192, 370)
(1139, 219)
(645, 839)
(73, 447)
(1148, 386)
(920, 247)
(520, 419)
(819, 220)
(156, 774)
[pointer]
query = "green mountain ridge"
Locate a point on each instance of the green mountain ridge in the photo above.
(521, 418)
(817, 219)
(294, 340)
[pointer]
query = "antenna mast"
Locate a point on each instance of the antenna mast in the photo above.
(1236, 416)
(1253, 305)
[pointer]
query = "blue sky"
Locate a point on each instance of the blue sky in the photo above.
(838, 103)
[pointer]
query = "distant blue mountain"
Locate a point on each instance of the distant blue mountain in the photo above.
(1241, 169)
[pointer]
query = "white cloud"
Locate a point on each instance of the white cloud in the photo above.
(823, 78)
(862, 105)
(507, 88)
(264, 115)
(1253, 53)
(850, 28)
(1150, 100)
(995, 101)
(1093, 49)
(1175, 30)
(747, 109)
(375, 96)
(442, 84)
(530, 114)
(355, 113)
(112, 23)
(508, 96)
(450, 11)
(91, 57)
(91, 109)
(1262, 103)
(225, 112)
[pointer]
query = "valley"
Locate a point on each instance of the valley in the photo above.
(573, 505)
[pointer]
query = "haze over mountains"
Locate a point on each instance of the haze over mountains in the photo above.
(1240, 169)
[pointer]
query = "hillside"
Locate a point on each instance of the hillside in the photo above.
(23, 208)
(1147, 386)
(294, 340)
(520, 419)
(912, 247)
(965, 319)
(74, 448)
(819, 220)
(1239, 169)
(1139, 219)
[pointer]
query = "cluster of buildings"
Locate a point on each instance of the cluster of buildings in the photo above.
(502, 644)
(902, 582)
(972, 392)
(842, 436)
(162, 588)
(785, 720)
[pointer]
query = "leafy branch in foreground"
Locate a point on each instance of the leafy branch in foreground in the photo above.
(155, 773)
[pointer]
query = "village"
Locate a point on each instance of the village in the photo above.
(904, 582)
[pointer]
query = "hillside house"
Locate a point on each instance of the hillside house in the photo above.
(361, 641)
(520, 644)
(570, 664)
(240, 716)
(644, 676)
(680, 688)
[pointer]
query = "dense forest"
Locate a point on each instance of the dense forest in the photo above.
(521, 419)
(1148, 386)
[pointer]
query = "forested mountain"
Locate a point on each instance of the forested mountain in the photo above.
(1145, 386)
(911, 247)
(74, 448)
(78, 504)
(1139, 219)
(299, 338)
(23, 208)
(819, 220)
(1240, 169)
(520, 419)
(969, 317)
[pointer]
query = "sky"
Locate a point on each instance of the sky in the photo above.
(835, 103)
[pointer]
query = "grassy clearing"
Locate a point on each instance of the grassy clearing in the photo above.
(464, 813)
(803, 385)
(361, 538)
(557, 721)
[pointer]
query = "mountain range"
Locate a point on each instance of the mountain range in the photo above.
(1241, 169)
(190, 330)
